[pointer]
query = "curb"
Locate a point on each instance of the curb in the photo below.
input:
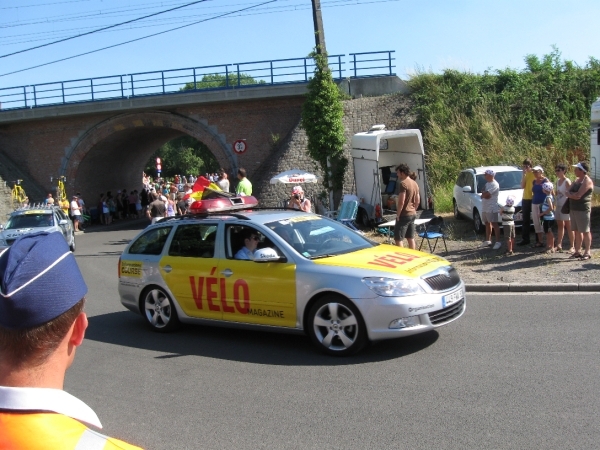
(516, 287)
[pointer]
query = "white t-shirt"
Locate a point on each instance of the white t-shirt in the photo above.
(75, 208)
(491, 204)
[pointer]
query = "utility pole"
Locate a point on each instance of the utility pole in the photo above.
(318, 24)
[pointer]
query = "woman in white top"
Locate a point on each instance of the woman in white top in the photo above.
(562, 220)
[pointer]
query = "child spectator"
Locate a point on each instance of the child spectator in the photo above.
(508, 221)
(547, 213)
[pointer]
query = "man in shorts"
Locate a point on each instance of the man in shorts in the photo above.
(489, 205)
(408, 202)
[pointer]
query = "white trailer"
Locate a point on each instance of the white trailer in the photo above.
(375, 155)
(595, 143)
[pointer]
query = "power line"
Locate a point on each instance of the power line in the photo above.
(44, 4)
(101, 29)
(137, 39)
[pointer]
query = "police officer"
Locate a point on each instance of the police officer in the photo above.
(41, 325)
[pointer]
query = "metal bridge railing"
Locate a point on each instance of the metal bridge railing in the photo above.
(225, 76)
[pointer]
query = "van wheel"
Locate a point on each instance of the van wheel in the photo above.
(477, 223)
(363, 218)
(336, 327)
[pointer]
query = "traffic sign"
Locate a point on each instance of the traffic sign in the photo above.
(240, 146)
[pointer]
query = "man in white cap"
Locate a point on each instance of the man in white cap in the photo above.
(41, 325)
(490, 209)
(298, 201)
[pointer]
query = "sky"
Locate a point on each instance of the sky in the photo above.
(426, 35)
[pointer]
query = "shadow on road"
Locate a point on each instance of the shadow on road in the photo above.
(259, 347)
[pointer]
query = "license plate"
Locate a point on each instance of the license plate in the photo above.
(447, 300)
(518, 216)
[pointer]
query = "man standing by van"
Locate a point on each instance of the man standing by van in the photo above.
(408, 202)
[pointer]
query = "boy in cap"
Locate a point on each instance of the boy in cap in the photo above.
(41, 325)
(508, 222)
(547, 213)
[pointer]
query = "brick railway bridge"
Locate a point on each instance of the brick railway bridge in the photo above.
(105, 145)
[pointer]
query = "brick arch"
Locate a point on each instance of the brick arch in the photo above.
(119, 147)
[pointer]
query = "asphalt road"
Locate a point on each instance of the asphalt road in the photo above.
(517, 371)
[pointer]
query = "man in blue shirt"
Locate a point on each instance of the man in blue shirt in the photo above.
(250, 244)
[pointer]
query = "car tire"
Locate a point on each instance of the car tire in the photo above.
(457, 214)
(158, 310)
(477, 222)
(326, 327)
(72, 246)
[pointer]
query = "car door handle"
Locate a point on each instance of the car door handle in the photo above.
(167, 268)
(227, 273)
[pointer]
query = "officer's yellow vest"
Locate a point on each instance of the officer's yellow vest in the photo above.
(50, 431)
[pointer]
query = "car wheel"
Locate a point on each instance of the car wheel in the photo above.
(477, 223)
(336, 326)
(456, 213)
(158, 310)
(72, 246)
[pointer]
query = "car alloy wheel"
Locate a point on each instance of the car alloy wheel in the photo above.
(158, 310)
(336, 327)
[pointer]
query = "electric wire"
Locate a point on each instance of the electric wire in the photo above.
(137, 39)
(102, 29)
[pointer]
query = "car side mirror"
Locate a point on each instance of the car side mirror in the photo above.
(466, 189)
(63, 222)
(268, 255)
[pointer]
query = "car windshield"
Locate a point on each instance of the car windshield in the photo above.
(506, 180)
(317, 237)
(31, 220)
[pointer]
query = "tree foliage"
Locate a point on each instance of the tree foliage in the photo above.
(216, 80)
(322, 114)
(184, 156)
(542, 112)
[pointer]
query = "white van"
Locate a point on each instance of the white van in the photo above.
(375, 155)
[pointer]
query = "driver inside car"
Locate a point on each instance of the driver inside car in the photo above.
(250, 244)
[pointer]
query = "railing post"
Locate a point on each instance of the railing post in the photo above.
(131, 82)
(92, 87)
(340, 66)
(237, 67)
(62, 87)
(271, 65)
(195, 85)
(34, 96)
(305, 70)
(390, 61)
(122, 92)
(227, 76)
(162, 75)
(354, 63)
(25, 95)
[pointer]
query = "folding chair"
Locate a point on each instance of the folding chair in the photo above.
(433, 230)
(347, 214)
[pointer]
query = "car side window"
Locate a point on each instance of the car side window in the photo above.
(194, 241)
(151, 242)
(462, 180)
(234, 236)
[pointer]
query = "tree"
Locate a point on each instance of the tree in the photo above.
(184, 155)
(322, 115)
(214, 81)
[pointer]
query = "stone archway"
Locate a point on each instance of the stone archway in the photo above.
(112, 154)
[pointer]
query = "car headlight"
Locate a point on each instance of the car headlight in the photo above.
(393, 287)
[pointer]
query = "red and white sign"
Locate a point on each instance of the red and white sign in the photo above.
(240, 146)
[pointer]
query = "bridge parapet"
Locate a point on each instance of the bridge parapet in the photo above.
(207, 78)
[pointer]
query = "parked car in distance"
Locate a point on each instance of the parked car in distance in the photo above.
(38, 218)
(470, 184)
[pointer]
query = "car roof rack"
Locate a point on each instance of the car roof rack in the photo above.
(36, 206)
(238, 214)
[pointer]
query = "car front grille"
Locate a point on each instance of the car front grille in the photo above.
(442, 281)
(447, 314)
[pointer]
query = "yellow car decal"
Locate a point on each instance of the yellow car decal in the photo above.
(233, 290)
(131, 269)
(388, 258)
